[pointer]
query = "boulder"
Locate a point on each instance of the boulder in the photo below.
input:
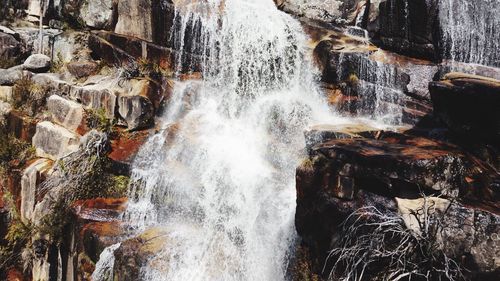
(134, 106)
(468, 105)
(81, 69)
(97, 13)
(53, 141)
(32, 177)
(66, 113)
(37, 63)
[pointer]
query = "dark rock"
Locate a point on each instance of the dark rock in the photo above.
(399, 165)
(10, 50)
(81, 69)
(468, 105)
(410, 27)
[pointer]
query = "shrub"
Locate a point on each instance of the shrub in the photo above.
(13, 149)
(377, 246)
(28, 96)
(98, 120)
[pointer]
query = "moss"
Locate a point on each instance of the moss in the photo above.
(145, 68)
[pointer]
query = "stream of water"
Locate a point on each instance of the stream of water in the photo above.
(220, 176)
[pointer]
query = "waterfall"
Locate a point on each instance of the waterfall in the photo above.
(220, 174)
(471, 31)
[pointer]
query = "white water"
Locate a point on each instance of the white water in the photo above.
(471, 31)
(219, 177)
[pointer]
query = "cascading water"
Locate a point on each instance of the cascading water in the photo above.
(471, 31)
(220, 175)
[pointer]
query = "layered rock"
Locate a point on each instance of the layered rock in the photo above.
(354, 170)
(134, 105)
(53, 141)
(410, 27)
(66, 113)
(30, 194)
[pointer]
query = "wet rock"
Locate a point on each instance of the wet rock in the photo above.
(66, 113)
(136, 252)
(468, 105)
(320, 133)
(126, 148)
(81, 69)
(96, 236)
(135, 107)
(341, 11)
(32, 177)
(395, 165)
(410, 27)
(97, 13)
(53, 141)
(100, 209)
(37, 63)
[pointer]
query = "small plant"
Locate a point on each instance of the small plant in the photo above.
(57, 64)
(29, 96)
(18, 236)
(13, 149)
(378, 246)
(97, 119)
(145, 69)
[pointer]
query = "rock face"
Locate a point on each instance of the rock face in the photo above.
(53, 141)
(37, 63)
(11, 75)
(134, 105)
(95, 97)
(10, 48)
(97, 13)
(468, 105)
(410, 27)
(66, 113)
(350, 170)
(32, 177)
(135, 19)
(342, 11)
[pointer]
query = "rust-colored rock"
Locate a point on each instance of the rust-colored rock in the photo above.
(100, 209)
